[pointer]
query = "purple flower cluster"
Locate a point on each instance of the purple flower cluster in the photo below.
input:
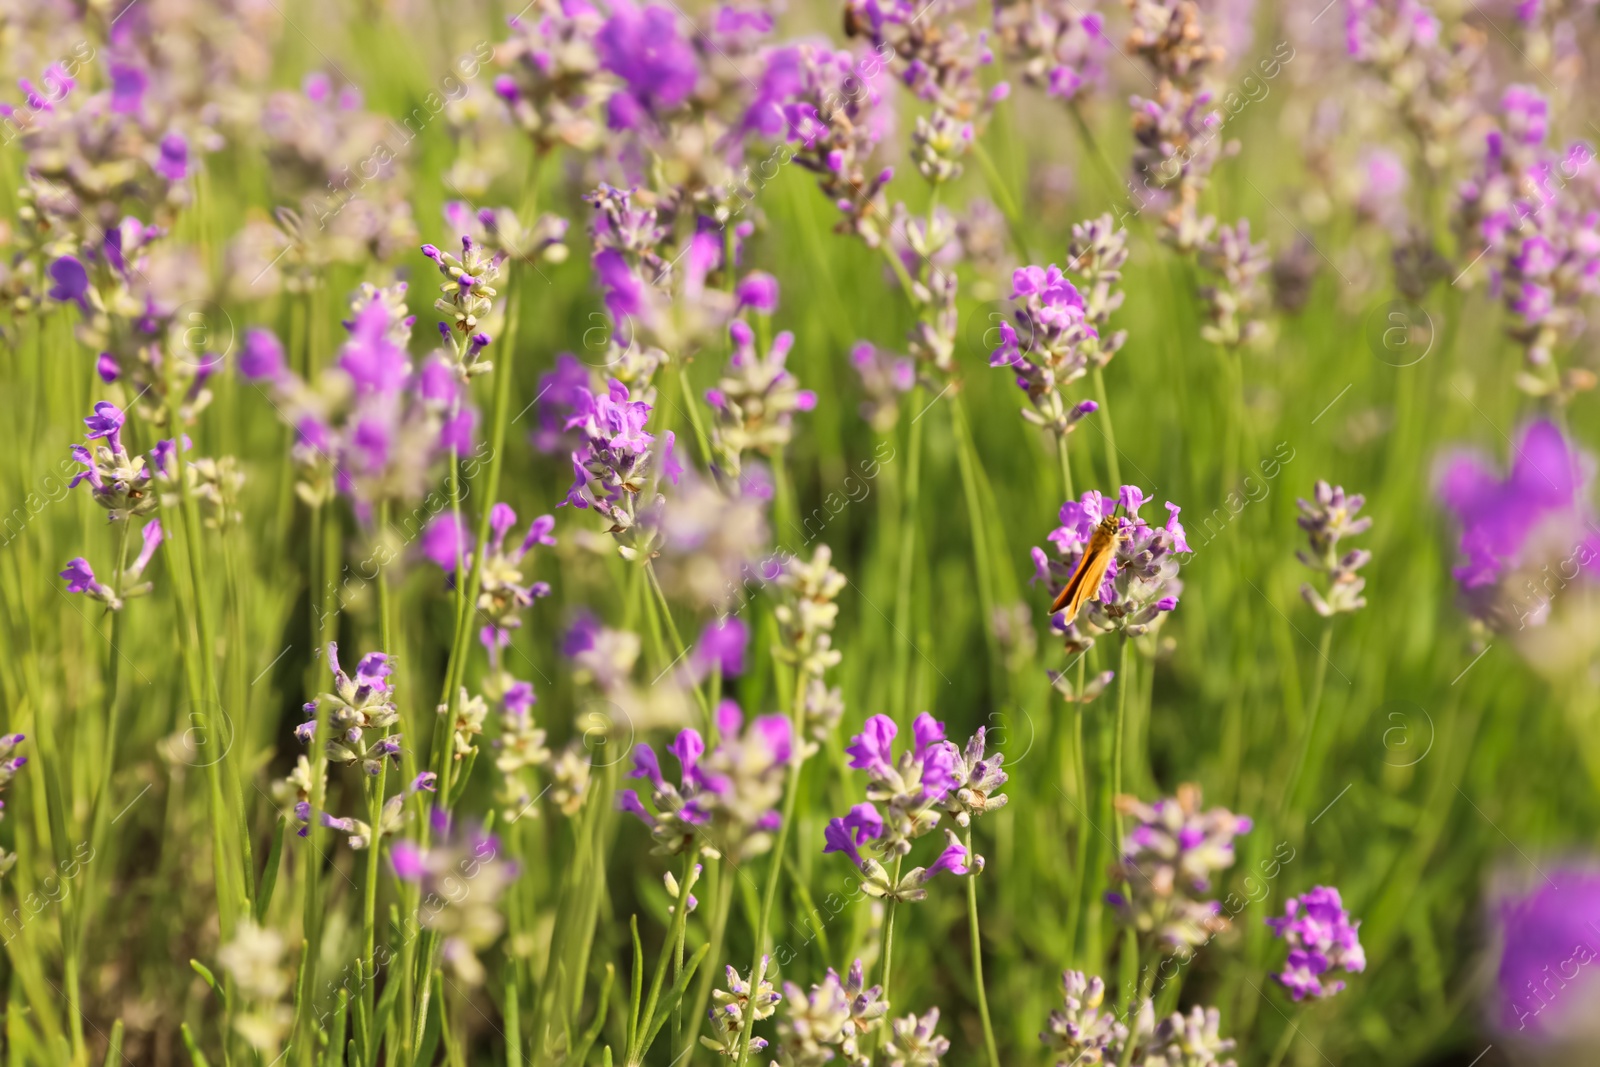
(806, 612)
(1327, 518)
(1547, 944)
(125, 485)
(911, 786)
(81, 578)
(930, 776)
(745, 1002)
(1056, 44)
(1175, 132)
(830, 1019)
(86, 154)
(885, 378)
(938, 60)
(656, 283)
(599, 653)
(467, 297)
(553, 85)
(755, 400)
(721, 647)
(118, 481)
(1321, 937)
(1047, 347)
(829, 107)
(374, 426)
(1167, 863)
(1425, 74)
(1080, 1033)
(503, 593)
(462, 875)
(645, 50)
(1098, 251)
(617, 463)
(355, 707)
(1142, 581)
(1534, 214)
(727, 796)
(1524, 537)
(343, 168)
(128, 286)
(1237, 294)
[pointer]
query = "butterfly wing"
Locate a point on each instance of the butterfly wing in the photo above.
(1091, 571)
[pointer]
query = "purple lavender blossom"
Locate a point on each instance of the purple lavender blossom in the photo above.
(80, 579)
(172, 158)
(261, 358)
(118, 481)
(560, 392)
(1057, 45)
(830, 106)
(885, 377)
(722, 645)
(1048, 347)
(1538, 514)
(911, 790)
(1532, 213)
(1141, 583)
(1167, 863)
(71, 281)
(446, 542)
(504, 593)
(656, 65)
(758, 291)
(726, 797)
(1321, 937)
(359, 712)
(1548, 945)
(755, 400)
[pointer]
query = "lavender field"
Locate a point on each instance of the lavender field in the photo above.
(881, 533)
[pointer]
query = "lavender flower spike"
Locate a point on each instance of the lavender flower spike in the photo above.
(1321, 937)
(1142, 581)
(1168, 861)
(1326, 519)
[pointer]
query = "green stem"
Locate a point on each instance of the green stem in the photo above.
(1104, 417)
(908, 550)
(1146, 983)
(677, 638)
(791, 791)
(1080, 869)
(456, 669)
(1318, 679)
(674, 938)
(719, 928)
(1286, 1039)
(967, 460)
(977, 961)
(1002, 195)
(1066, 466)
(888, 937)
(1118, 755)
(200, 612)
(369, 910)
(692, 406)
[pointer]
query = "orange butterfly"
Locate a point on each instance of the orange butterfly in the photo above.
(1091, 573)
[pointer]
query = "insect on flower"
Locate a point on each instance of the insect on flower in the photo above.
(1091, 572)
